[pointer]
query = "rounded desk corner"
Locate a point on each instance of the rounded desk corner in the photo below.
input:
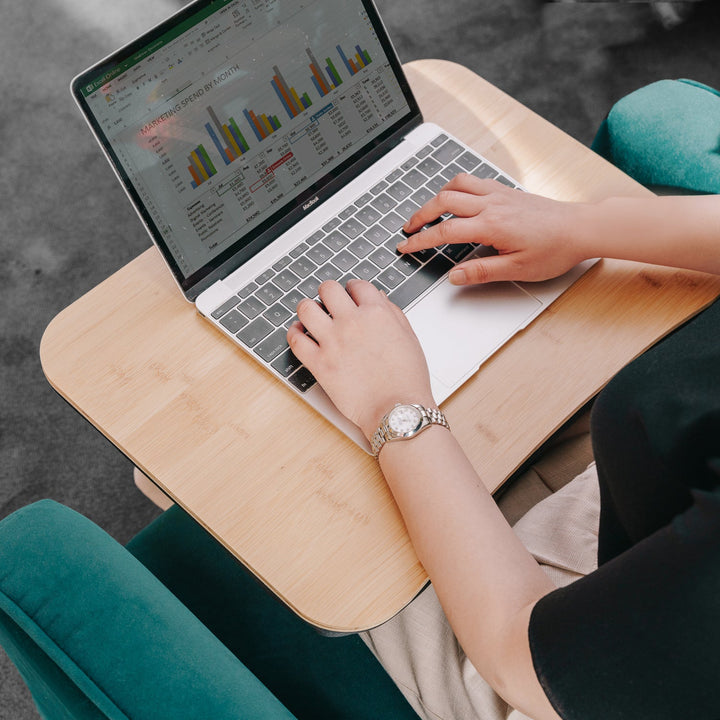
(48, 344)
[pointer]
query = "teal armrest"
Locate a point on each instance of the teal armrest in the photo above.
(95, 634)
(666, 134)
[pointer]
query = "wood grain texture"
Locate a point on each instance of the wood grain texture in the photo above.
(301, 506)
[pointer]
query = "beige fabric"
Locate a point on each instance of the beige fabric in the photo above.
(417, 647)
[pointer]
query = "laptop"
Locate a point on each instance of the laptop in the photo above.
(269, 145)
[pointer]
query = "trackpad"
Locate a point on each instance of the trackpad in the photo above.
(460, 327)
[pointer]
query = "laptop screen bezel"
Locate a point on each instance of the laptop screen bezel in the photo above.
(248, 244)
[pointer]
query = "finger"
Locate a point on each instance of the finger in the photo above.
(335, 298)
(363, 292)
(302, 345)
(315, 320)
(453, 230)
(456, 198)
(483, 270)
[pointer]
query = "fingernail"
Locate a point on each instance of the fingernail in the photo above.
(402, 245)
(458, 276)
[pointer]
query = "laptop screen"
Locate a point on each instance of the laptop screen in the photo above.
(225, 120)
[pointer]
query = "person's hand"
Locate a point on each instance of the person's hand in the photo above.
(535, 237)
(362, 351)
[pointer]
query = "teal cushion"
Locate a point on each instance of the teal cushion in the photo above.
(666, 134)
(96, 635)
(312, 675)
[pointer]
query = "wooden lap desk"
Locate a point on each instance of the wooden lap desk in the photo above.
(301, 506)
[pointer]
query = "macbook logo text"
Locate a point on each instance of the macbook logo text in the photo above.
(310, 203)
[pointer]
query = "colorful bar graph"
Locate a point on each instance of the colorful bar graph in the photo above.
(227, 138)
(333, 73)
(262, 125)
(201, 167)
(288, 96)
(358, 62)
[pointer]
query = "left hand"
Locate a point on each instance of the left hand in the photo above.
(362, 351)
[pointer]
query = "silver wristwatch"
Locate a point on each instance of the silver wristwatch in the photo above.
(403, 422)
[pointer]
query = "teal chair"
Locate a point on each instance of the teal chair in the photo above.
(171, 626)
(666, 135)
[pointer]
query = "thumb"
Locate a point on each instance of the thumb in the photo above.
(483, 270)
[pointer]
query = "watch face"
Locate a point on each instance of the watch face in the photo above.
(404, 419)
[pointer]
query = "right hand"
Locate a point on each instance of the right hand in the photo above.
(536, 237)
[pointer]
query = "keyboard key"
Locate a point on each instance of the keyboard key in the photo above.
(383, 203)
(304, 267)
(319, 254)
(234, 321)
(409, 164)
(422, 196)
(225, 307)
(251, 308)
(368, 216)
(377, 189)
(248, 290)
(414, 179)
(286, 363)
(416, 285)
(439, 140)
(376, 234)
(363, 200)
(291, 300)
(451, 171)
(283, 262)
(399, 191)
(286, 280)
(344, 260)
(296, 252)
(382, 257)
(256, 331)
(262, 279)
(424, 152)
(361, 247)
(448, 152)
(331, 225)
(406, 209)
(269, 293)
(352, 228)
(309, 287)
(328, 272)
(273, 345)
(484, 171)
(347, 212)
(277, 314)
(430, 167)
(505, 181)
(336, 241)
(468, 161)
(316, 237)
(391, 277)
(302, 379)
(394, 175)
(424, 255)
(436, 184)
(379, 285)
(366, 270)
(458, 252)
(406, 264)
(392, 222)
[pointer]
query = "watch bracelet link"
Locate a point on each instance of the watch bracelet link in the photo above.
(380, 437)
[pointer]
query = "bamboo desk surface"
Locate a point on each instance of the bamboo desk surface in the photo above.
(300, 505)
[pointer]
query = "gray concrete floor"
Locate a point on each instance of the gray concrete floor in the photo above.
(65, 224)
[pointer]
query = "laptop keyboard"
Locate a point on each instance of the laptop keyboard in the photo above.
(360, 242)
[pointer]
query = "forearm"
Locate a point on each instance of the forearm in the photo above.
(675, 231)
(485, 579)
